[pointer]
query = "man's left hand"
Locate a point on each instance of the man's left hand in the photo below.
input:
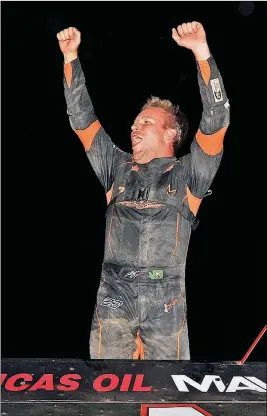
(192, 36)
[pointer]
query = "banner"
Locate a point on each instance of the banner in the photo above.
(171, 388)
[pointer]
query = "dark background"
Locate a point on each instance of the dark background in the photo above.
(53, 207)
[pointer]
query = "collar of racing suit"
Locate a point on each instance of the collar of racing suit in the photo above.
(159, 161)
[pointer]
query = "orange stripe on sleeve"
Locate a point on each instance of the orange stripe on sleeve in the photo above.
(68, 73)
(87, 135)
(193, 201)
(205, 71)
(212, 144)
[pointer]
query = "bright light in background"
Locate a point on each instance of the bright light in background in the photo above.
(246, 7)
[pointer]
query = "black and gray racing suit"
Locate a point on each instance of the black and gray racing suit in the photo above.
(140, 312)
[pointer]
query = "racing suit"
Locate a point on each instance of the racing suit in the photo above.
(140, 311)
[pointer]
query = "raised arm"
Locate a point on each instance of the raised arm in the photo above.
(102, 153)
(207, 146)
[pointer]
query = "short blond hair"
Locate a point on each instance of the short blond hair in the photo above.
(175, 119)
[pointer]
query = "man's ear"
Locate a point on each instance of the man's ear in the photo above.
(170, 135)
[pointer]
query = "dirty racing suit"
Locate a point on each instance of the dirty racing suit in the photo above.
(140, 311)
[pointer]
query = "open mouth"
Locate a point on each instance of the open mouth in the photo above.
(136, 140)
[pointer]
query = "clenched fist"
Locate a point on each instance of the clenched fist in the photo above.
(192, 36)
(69, 40)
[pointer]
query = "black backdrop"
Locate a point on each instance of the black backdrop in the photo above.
(53, 207)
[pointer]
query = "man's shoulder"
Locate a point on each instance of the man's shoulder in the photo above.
(122, 157)
(185, 159)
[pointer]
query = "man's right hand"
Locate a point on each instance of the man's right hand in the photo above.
(69, 40)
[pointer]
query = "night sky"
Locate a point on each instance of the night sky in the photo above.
(53, 207)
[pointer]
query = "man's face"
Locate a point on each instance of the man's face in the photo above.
(149, 133)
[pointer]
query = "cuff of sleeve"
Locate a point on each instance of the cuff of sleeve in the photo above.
(70, 69)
